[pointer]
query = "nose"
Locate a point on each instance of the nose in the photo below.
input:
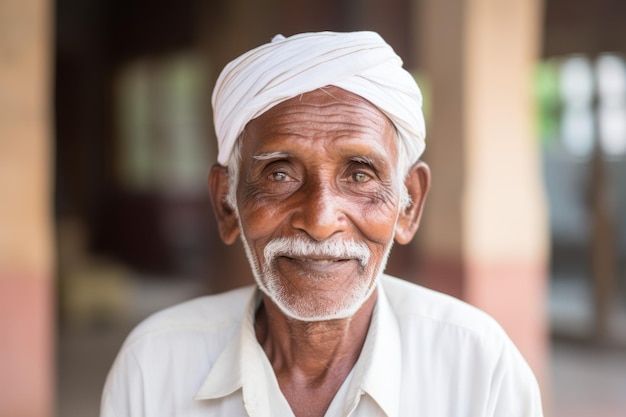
(319, 212)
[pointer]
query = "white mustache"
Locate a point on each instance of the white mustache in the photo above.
(297, 247)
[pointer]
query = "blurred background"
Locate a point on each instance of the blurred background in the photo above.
(106, 141)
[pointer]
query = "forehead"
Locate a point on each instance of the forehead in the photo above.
(327, 114)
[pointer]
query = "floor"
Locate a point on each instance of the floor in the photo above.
(588, 382)
(83, 360)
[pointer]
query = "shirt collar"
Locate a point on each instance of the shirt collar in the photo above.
(244, 366)
(225, 376)
(377, 372)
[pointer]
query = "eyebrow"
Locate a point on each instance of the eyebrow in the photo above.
(271, 155)
(361, 159)
(365, 160)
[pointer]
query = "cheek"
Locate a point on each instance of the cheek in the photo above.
(378, 213)
(260, 220)
(377, 222)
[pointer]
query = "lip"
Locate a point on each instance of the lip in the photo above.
(315, 260)
(310, 265)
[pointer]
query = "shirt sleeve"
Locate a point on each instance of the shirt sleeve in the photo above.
(514, 391)
(123, 394)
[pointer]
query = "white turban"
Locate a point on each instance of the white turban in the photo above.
(359, 62)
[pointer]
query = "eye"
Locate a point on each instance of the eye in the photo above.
(279, 176)
(360, 176)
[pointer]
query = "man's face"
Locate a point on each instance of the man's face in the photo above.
(318, 201)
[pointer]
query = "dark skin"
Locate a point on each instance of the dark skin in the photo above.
(319, 166)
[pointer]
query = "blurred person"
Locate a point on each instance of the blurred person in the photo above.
(318, 172)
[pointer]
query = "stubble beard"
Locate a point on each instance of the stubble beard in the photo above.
(308, 307)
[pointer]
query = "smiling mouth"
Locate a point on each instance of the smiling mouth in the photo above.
(317, 261)
(320, 264)
(304, 253)
(312, 267)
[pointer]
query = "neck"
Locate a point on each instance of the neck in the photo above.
(311, 359)
(313, 351)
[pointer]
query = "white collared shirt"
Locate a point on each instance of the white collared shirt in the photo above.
(426, 354)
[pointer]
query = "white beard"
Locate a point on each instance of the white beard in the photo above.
(312, 308)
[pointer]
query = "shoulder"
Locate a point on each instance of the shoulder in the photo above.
(413, 304)
(459, 351)
(167, 356)
(201, 317)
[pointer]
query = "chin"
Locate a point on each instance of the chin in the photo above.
(304, 308)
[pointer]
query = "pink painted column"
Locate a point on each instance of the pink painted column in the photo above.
(26, 313)
(485, 235)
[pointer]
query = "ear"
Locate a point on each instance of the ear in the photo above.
(226, 215)
(418, 184)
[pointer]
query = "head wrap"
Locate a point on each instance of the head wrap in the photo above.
(359, 62)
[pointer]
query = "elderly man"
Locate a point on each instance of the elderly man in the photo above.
(319, 140)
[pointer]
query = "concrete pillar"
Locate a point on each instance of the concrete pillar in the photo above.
(26, 313)
(485, 236)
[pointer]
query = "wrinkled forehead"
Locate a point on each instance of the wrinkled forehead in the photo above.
(330, 115)
(325, 101)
